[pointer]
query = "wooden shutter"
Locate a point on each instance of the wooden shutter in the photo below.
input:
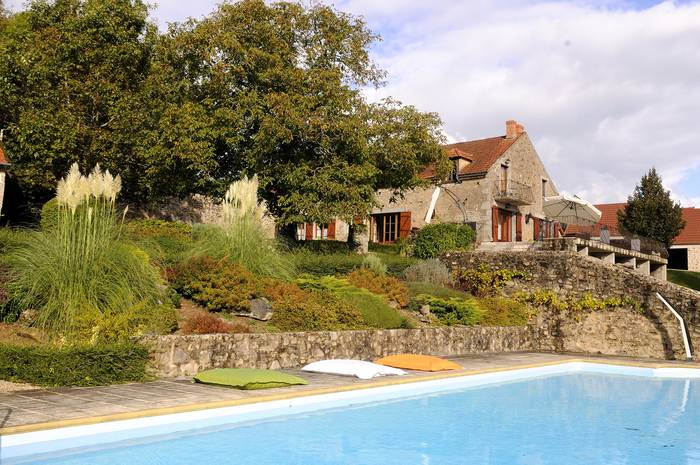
(309, 231)
(536, 224)
(518, 227)
(331, 230)
(494, 224)
(404, 224)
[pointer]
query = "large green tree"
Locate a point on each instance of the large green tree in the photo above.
(255, 88)
(650, 211)
(70, 83)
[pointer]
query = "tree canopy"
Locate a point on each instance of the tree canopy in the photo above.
(254, 88)
(650, 211)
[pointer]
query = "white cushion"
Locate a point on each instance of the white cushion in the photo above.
(358, 368)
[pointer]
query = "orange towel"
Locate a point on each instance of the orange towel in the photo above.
(418, 362)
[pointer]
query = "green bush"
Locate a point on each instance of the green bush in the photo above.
(450, 311)
(435, 239)
(324, 247)
(504, 311)
(375, 264)
(49, 215)
(416, 288)
(315, 310)
(306, 262)
(166, 242)
(429, 271)
(376, 312)
(396, 264)
(483, 281)
(217, 284)
(390, 287)
(75, 365)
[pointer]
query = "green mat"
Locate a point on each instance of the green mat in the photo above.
(247, 378)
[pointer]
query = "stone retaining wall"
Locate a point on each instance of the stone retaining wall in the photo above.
(176, 356)
(651, 333)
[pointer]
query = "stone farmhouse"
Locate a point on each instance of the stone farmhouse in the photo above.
(496, 185)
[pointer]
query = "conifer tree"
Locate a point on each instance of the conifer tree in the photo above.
(650, 211)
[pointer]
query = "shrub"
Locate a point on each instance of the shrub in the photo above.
(217, 284)
(483, 281)
(504, 311)
(375, 311)
(375, 264)
(74, 365)
(429, 271)
(324, 247)
(120, 326)
(203, 322)
(240, 237)
(49, 215)
(166, 242)
(393, 289)
(585, 302)
(81, 267)
(451, 311)
(434, 290)
(434, 239)
(315, 310)
(308, 263)
(396, 264)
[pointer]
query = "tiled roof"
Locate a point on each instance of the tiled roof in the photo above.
(3, 158)
(690, 235)
(482, 153)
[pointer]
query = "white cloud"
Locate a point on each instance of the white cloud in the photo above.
(605, 92)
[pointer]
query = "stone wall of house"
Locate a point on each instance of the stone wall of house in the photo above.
(693, 257)
(650, 332)
(176, 356)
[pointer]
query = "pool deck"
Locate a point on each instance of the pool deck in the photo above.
(40, 409)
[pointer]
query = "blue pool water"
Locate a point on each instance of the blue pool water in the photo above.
(572, 419)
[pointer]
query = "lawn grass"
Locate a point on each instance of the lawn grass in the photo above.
(685, 278)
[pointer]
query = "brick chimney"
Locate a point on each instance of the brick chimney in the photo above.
(511, 129)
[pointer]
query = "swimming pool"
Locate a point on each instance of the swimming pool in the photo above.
(571, 413)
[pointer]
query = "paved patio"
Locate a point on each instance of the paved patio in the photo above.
(44, 407)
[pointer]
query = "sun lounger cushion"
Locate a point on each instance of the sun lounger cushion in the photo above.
(357, 368)
(247, 378)
(418, 362)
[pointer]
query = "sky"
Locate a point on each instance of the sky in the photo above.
(606, 89)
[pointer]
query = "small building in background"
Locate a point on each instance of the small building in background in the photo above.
(684, 254)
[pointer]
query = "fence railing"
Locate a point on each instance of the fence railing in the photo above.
(512, 192)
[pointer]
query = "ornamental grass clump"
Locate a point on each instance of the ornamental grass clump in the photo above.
(78, 274)
(240, 236)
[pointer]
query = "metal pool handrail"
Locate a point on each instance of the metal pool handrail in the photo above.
(684, 331)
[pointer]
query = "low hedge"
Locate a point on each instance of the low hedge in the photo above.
(73, 366)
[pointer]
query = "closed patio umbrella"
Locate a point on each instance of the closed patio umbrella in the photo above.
(571, 210)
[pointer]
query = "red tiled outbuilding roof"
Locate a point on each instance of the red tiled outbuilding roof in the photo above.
(690, 235)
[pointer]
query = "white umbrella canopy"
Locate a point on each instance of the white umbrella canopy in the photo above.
(571, 210)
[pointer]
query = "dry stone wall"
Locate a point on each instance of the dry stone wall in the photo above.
(653, 332)
(177, 356)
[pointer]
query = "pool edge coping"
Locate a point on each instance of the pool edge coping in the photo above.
(389, 381)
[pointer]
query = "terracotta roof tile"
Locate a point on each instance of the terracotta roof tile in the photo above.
(482, 153)
(690, 235)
